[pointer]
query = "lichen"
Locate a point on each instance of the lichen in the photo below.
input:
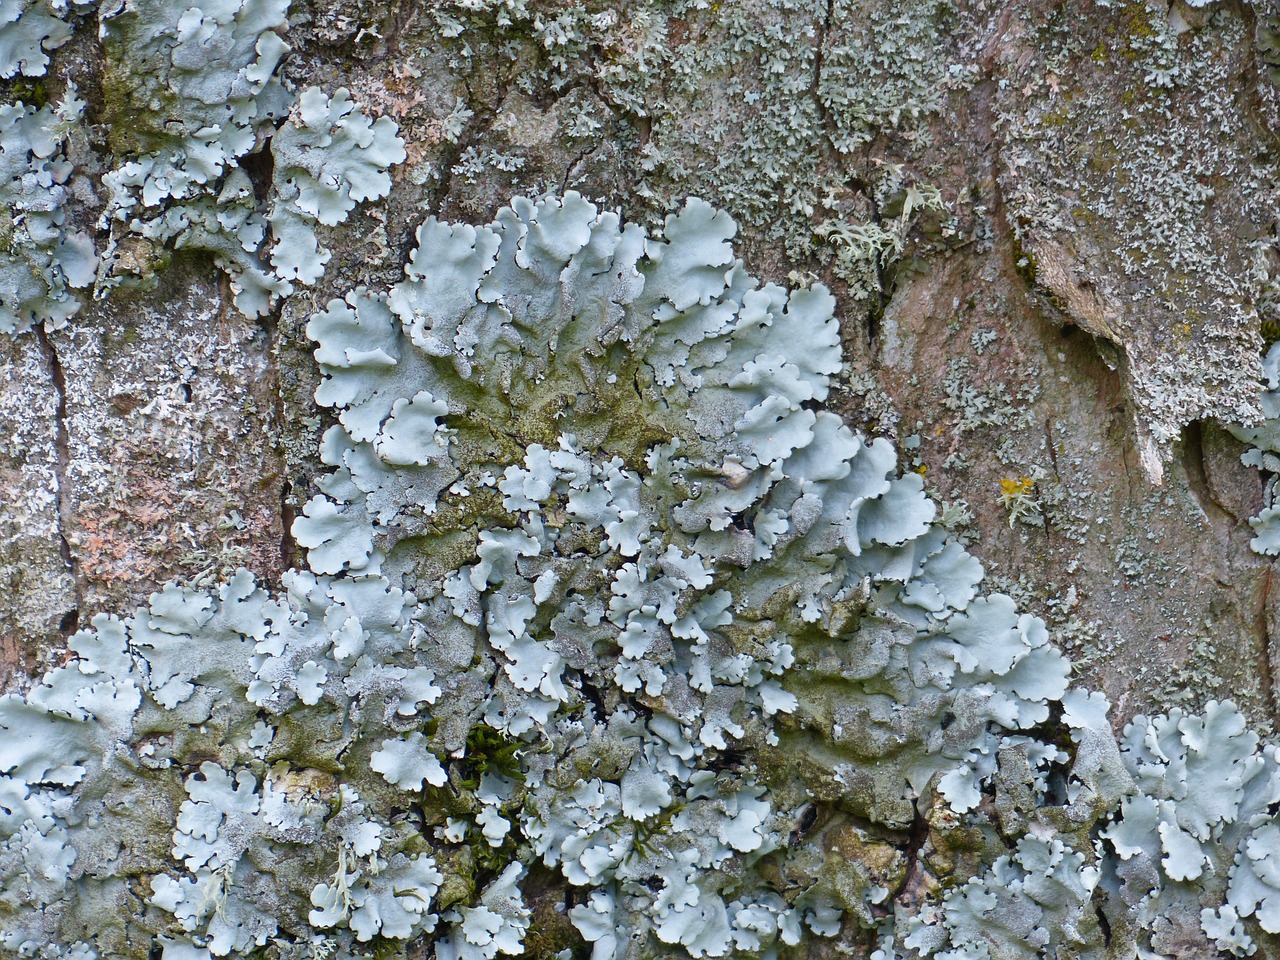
(619, 620)
(605, 615)
(29, 30)
(42, 261)
(685, 605)
(326, 161)
(1264, 454)
(187, 184)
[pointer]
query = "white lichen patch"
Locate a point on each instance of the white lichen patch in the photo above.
(1158, 248)
(29, 30)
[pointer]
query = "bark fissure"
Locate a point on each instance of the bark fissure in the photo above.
(819, 52)
(62, 476)
(270, 326)
(573, 165)
(1265, 666)
(918, 836)
(1193, 461)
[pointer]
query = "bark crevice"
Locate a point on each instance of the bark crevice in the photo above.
(64, 500)
(270, 327)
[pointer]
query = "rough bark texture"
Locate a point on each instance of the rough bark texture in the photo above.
(1086, 312)
(1077, 314)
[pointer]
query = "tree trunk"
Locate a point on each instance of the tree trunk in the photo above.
(1050, 233)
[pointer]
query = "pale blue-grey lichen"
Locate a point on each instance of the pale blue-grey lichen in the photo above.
(1264, 454)
(597, 589)
(641, 522)
(326, 162)
(597, 584)
(185, 183)
(29, 29)
(192, 91)
(189, 93)
(41, 261)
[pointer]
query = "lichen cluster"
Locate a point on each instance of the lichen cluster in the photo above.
(1264, 454)
(609, 630)
(42, 261)
(190, 95)
(611, 638)
(29, 30)
(763, 109)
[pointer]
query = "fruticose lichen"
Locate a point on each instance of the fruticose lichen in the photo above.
(610, 629)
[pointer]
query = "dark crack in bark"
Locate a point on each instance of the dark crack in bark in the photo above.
(70, 621)
(270, 327)
(1266, 668)
(913, 849)
(1193, 462)
(819, 53)
(573, 165)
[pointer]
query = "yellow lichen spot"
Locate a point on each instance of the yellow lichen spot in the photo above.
(1016, 496)
(1011, 489)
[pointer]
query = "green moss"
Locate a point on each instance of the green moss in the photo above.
(1270, 331)
(1024, 261)
(306, 743)
(489, 751)
(33, 91)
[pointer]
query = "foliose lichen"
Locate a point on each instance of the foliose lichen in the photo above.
(1264, 454)
(41, 262)
(186, 184)
(29, 29)
(612, 608)
(328, 160)
(611, 635)
(598, 590)
(190, 94)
